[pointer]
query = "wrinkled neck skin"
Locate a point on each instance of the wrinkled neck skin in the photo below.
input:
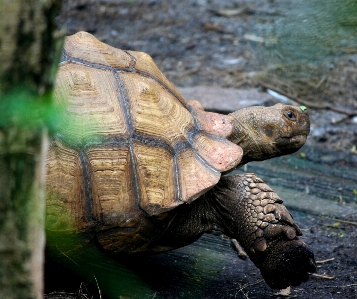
(242, 135)
(246, 133)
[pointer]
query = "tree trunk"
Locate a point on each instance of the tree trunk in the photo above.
(27, 52)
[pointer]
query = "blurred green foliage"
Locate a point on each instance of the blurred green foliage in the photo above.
(20, 107)
(313, 30)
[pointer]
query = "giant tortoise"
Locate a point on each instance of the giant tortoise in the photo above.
(137, 169)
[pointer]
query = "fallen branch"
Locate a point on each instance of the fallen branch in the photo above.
(308, 104)
(339, 220)
(99, 290)
(322, 276)
(241, 290)
(217, 28)
(241, 253)
(83, 292)
(230, 12)
(325, 261)
(66, 255)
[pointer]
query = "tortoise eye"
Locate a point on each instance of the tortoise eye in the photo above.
(290, 115)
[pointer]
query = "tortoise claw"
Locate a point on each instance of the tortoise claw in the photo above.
(274, 230)
(260, 245)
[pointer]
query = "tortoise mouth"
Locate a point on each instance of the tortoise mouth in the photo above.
(298, 138)
(295, 141)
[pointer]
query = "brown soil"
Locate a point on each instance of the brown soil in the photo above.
(241, 44)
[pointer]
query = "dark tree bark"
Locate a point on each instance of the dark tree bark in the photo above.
(27, 59)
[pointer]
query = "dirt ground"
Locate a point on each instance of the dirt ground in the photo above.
(298, 48)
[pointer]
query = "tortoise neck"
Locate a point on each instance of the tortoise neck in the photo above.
(239, 130)
(244, 135)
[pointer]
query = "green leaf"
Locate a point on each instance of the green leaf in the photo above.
(336, 224)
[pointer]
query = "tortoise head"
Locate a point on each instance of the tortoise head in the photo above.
(267, 132)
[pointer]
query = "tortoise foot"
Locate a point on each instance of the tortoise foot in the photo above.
(287, 263)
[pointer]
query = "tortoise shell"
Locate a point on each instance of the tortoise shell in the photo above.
(137, 146)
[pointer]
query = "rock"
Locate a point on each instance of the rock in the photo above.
(225, 99)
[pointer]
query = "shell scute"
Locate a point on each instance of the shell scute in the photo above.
(85, 46)
(144, 64)
(112, 190)
(220, 153)
(156, 178)
(194, 176)
(91, 101)
(154, 111)
(66, 202)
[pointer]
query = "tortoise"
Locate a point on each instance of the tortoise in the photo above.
(137, 169)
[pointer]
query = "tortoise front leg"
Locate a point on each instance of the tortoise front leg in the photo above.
(251, 212)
